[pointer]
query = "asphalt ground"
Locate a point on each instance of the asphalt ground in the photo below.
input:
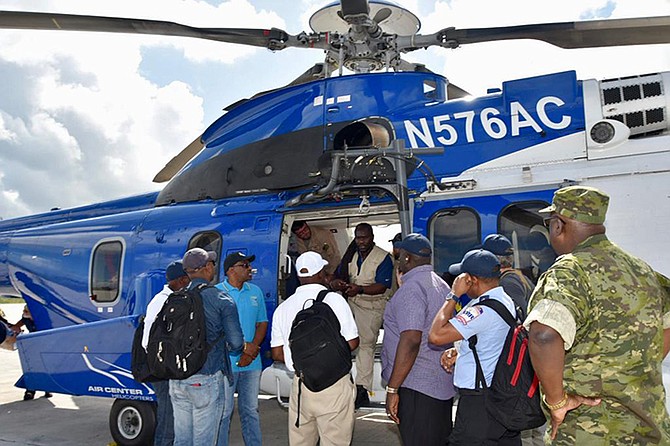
(79, 420)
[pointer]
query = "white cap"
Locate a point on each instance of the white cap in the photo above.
(309, 264)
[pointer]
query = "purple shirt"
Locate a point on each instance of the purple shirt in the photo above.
(413, 307)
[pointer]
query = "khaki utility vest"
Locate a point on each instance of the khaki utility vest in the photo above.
(366, 276)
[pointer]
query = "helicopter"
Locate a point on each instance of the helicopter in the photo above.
(393, 144)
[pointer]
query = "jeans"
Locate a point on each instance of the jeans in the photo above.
(247, 384)
(164, 435)
(197, 403)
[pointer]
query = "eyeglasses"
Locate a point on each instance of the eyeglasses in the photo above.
(547, 221)
(242, 265)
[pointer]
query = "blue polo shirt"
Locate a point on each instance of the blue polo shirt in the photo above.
(251, 310)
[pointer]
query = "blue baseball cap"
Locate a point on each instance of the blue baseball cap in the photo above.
(498, 244)
(174, 270)
(415, 244)
(478, 262)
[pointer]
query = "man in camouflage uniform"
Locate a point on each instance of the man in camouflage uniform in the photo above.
(597, 320)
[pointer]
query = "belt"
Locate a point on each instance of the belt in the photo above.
(470, 392)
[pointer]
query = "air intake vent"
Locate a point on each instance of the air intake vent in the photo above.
(637, 101)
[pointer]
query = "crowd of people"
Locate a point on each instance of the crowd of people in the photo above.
(598, 322)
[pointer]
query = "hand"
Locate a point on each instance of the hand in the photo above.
(392, 400)
(338, 284)
(251, 349)
(351, 290)
(244, 360)
(574, 401)
(448, 359)
(461, 284)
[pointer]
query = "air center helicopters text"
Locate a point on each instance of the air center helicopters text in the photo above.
(490, 121)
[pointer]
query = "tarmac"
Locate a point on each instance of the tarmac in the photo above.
(65, 420)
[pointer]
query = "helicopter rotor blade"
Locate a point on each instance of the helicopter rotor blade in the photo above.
(175, 164)
(382, 15)
(274, 39)
(456, 92)
(569, 35)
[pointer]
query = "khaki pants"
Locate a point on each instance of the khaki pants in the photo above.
(327, 415)
(368, 314)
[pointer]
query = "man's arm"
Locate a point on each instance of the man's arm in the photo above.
(353, 343)
(231, 326)
(408, 349)
(666, 342)
(253, 348)
(441, 330)
(548, 358)
(278, 353)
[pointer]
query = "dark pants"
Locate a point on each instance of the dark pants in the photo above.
(424, 421)
(474, 426)
(164, 435)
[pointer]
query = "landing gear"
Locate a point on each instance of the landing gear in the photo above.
(132, 423)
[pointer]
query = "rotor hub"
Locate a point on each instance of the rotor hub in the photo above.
(393, 19)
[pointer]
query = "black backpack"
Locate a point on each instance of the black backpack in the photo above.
(513, 399)
(138, 358)
(177, 345)
(321, 355)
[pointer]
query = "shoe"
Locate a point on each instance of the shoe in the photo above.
(28, 395)
(362, 397)
(48, 394)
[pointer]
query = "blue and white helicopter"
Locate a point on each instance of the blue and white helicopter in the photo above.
(393, 144)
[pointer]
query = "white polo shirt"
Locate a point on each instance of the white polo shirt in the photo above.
(285, 314)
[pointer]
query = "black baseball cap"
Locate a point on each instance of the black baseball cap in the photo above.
(235, 257)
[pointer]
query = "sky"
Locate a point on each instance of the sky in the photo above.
(88, 117)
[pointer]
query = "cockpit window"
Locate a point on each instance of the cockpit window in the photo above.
(106, 271)
(209, 241)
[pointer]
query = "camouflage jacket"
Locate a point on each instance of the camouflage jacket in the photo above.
(618, 303)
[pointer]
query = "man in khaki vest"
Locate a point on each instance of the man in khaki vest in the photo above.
(370, 274)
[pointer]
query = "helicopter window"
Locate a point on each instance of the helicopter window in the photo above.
(209, 241)
(453, 232)
(522, 224)
(106, 271)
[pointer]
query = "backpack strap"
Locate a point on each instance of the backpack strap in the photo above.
(480, 380)
(502, 311)
(322, 295)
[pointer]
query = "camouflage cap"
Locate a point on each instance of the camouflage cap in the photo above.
(581, 203)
